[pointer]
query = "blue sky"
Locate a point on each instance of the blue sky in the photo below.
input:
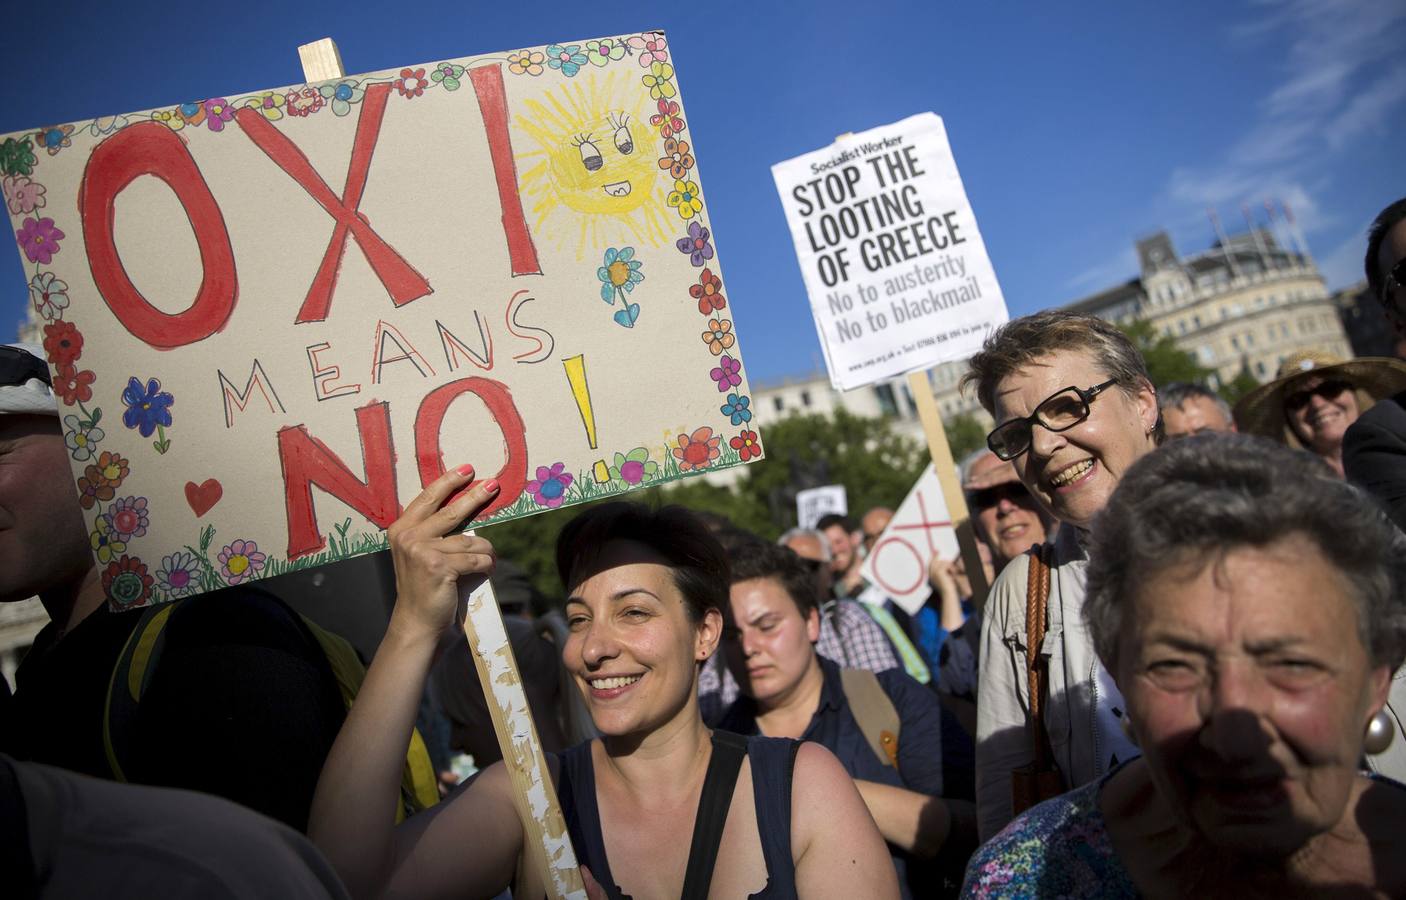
(1076, 129)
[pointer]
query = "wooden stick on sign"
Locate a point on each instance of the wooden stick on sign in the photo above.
(546, 844)
(946, 469)
(551, 861)
(321, 60)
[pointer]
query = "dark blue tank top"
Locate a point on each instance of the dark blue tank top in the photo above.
(772, 760)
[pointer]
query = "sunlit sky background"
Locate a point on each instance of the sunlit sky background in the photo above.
(1077, 127)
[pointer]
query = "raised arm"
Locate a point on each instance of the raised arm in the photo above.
(353, 810)
(839, 851)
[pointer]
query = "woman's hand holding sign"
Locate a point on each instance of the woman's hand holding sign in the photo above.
(431, 557)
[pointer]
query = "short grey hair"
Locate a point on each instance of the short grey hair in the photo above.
(1203, 496)
(964, 468)
(1173, 395)
(819, 538)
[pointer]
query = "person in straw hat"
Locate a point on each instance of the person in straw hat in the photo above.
(1315, 397)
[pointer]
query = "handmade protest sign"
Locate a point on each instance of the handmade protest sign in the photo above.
(813, 503)
(892, 259)
(919, 530)
(273, 316)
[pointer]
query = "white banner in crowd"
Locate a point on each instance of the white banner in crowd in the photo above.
(892, 259)
(921, 529)
(813, 503)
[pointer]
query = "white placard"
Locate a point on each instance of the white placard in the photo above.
(921, 529)
(889, 249)
(813, 503)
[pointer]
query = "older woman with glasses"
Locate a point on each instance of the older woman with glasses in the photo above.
(1074, 410)
(1250, 606)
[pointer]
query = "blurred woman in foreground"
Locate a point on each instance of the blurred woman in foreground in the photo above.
(1250, 606)
(643, 607)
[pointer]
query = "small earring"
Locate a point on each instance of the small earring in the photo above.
(1127, 724)
(1380, 732)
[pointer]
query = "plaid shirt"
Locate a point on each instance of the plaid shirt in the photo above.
(860, 644)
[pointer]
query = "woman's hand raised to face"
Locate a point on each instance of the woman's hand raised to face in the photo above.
(430, 555)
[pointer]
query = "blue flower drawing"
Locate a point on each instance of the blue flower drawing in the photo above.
(147, 408)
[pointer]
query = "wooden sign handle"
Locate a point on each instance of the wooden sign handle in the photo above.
(551, 861)
(946, 470)
(546, 843)
(321, 60)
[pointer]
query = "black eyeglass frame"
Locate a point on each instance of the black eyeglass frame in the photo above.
(19, 366)
(1086, 397)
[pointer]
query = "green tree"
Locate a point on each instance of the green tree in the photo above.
(1239, 386)
(876, 466)
(1166, 362)
(965, 433)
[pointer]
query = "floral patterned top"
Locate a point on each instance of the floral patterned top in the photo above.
(1060, 848)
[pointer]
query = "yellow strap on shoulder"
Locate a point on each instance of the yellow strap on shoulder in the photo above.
(418, 782)
(132, 671)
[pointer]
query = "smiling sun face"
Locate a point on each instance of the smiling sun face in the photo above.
(592, 174)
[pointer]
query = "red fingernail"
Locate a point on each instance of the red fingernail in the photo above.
(465, 470)
(491, 485)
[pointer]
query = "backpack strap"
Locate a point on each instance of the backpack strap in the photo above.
(419, 787)
(130, 677)
(137, 664)
(1037, 622)
(875, 713)
(728, 752)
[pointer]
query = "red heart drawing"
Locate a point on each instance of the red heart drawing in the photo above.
(202, 497)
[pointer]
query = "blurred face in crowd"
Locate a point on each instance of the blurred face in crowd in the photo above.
(1250, 690)
(43, 541)
(770, 646)
(1195, 416)
(632, 648)
(808, 548)
(1320, 410)
(873, 525)
(1072, 473)
(841, 549)
(1007, 517)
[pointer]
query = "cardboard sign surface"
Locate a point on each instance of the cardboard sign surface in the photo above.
(812, 503)
(920, 529)
(272, 316)
(893, 263)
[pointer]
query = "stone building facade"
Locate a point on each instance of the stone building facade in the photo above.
(1245, 303)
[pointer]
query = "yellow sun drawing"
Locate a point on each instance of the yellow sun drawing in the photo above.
(594, 161)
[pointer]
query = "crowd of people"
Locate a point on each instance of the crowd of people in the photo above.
(1186, 679)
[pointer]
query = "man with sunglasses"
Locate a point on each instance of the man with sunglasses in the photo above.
(1374, 449)
(243, 703)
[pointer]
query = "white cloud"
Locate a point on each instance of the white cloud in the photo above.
(1364, 116)
(1106, 274)
(1341, 81)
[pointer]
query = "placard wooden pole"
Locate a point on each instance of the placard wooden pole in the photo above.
(546, 844)
(321, 60)
(551, 861)
(921, 388)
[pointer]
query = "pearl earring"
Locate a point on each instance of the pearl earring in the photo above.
(1380, 732)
